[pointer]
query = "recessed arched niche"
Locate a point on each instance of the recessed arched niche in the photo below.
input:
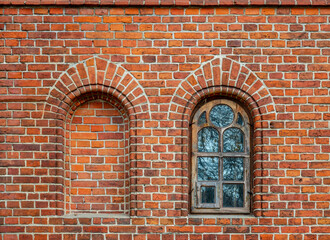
(97, 157)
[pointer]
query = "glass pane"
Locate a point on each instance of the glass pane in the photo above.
(233, 168)
(240, 119)
(233, 140)
(208, 140)
(233, 195)
(221, 115)
(208, 168)
(207, 194)
(202, 119)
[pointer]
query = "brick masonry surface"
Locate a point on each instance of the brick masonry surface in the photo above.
(96, 105)
(96, 155)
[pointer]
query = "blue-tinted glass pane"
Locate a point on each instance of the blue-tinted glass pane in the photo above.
(208, 140)
(240, 119)
(233, 140)
(221, 115)
(233, 168)
(208, 168)
(233, 195)
(202, 119)
(207, 194)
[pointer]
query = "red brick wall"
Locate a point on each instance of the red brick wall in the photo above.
(96, 168)
(152, 66)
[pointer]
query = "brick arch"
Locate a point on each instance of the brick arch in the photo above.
(222, 77)
(226, 78)
(93, 79)
(97, 75)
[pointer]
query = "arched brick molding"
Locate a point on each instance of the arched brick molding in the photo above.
(97, 75)
(226, 78)
(95, 79)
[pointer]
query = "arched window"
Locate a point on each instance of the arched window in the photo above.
(220, 158)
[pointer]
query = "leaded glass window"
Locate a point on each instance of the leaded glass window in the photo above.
(220, 178)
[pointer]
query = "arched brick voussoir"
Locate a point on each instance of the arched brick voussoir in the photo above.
(222, 77)
(97, 75)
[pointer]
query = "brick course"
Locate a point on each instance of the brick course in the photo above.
(145, 69)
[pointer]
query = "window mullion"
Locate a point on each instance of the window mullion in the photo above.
(221, 182)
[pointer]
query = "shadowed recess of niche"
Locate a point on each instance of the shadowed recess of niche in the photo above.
(98, 160)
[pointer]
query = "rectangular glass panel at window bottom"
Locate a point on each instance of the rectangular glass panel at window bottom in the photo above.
(233, 195)
(208, 194)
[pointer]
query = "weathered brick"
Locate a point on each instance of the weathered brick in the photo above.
(96, 105)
